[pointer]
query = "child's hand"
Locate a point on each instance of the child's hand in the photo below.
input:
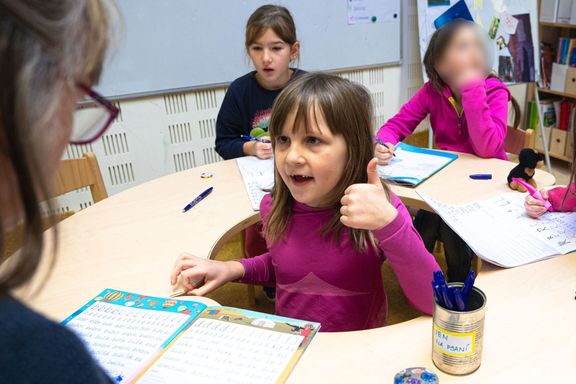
(258, 149)
(366, 206)
(534, 207)
(468, 76)
(384, 153)
(205, 274)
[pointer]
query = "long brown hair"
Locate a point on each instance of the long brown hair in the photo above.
(275, 17)
(439, 42)
(347, 110)
(45, 47)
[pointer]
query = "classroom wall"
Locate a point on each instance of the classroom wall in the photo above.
(158, 135)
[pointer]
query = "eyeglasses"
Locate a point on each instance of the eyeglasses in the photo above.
(92, 118)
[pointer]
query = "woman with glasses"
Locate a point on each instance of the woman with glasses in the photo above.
(51, 53)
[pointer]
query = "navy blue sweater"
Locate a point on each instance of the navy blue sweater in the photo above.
(34, 349)
(246, 105)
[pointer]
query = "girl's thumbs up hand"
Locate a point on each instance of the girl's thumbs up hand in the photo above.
(366, 206)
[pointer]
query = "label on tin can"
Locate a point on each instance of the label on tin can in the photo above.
(454, 344)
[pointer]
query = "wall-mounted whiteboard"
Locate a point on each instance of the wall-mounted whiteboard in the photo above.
(512, 28)
(184, 44)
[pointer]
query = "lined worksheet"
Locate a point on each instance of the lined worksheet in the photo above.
(258, 176)
(123, 339)
(213, 351)
(499, 231)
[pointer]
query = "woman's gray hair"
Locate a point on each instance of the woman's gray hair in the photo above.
(46, 48)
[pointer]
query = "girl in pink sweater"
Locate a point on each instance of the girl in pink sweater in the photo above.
(468, 111)
(329, 221)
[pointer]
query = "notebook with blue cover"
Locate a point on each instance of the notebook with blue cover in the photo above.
(413, 165)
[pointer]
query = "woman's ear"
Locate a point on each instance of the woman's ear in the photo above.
(295, 51)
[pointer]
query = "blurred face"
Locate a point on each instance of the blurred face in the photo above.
(271, 57)
(310, 164)
(464, 54)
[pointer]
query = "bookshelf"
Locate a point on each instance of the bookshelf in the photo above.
(560, 143)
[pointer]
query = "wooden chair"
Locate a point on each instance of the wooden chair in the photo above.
(75, 174)
(71, 175)
(516, 139)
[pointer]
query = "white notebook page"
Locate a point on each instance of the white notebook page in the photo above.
(213, 351)
(257, 175)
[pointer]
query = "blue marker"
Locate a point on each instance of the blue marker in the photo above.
(458, 299)
(382, 143)
(252, 138)
(437, 294)
(481, 176)
(468, 284)
(200, 197)
(448, 302)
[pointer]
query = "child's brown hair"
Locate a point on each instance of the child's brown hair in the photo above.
(437, 46)
(347, 110)
(275, 17)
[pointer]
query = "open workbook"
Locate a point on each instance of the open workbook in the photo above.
(499, 231)
(153, 340)
(412, 165)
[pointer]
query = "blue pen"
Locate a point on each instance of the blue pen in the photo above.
(200, 197)
(458, 300)
(468, 284)
(437, 294)
(481, 176)
(382, 143)
(446, 295)
(252, 138)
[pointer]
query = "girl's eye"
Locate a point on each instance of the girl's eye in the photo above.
(276, 49)
(312, 140)
(256, 48)
(282, 139)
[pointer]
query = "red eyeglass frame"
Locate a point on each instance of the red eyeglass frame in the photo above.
(112, 109)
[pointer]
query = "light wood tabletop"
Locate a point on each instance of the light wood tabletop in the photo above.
(130, 240)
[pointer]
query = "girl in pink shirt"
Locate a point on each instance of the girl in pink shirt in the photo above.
(329, 221)
(468, 111)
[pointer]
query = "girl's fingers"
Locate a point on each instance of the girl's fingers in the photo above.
(544, 193)
(208, 287)
(382, 149)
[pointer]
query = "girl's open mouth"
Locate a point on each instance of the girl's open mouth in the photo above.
(301, 179)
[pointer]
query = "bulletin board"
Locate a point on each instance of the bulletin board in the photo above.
(176, 45)
(511, 25)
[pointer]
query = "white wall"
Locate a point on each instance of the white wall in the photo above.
(159, 135)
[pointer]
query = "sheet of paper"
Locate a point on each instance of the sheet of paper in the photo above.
(213, 351)
(372, 11)
(510, 23)
(258, 176)
(123, 339)
(412, 166)
(499, 231)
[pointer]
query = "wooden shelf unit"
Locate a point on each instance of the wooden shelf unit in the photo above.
(550, 32)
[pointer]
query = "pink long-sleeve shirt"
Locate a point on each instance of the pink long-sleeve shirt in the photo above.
(319, 279)
(479, 130)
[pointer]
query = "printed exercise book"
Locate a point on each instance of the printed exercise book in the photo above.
(151, 340)
(413, 165)
(499, 231)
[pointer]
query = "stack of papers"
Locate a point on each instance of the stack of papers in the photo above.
(499, 231)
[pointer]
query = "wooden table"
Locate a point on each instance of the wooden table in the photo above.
(130, 241)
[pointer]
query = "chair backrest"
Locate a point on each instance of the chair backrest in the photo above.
(74, 174)
(516, 139)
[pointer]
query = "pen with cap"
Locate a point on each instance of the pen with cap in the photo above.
(200, 197)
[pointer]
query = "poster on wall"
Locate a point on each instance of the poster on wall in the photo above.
(511, 27)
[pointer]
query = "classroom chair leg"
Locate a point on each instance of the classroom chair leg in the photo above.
(250, 289)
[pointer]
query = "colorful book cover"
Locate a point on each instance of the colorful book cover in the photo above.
(152, 340)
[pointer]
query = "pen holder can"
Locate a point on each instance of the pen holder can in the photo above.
(457, 335)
